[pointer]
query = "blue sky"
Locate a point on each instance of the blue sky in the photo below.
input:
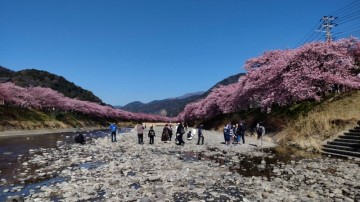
(144, 50)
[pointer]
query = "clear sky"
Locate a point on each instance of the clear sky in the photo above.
(144, 50)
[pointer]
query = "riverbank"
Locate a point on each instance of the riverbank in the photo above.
(45, 131)
(127, 171)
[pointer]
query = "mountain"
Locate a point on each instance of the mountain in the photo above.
(4, 72)
(167, 107)
(189, 95)
(34, 78)
(173, 106)
(227, 81)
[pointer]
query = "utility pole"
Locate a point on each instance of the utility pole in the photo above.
(326, 26)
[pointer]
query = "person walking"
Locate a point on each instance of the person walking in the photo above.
(180, 132)
(200, 135)
(140, 131)
(260, 130)
(113, 129)
(151, 135)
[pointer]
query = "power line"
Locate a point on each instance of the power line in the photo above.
(334, 22)
(350, 6)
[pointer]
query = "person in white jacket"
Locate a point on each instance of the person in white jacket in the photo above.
(260, 130)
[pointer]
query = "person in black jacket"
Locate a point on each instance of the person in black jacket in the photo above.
(180, 132)
(80, 139)
(151, 135)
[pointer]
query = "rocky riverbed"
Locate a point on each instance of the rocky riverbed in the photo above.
(126, 171)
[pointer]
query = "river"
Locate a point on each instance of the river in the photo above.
(15, 149)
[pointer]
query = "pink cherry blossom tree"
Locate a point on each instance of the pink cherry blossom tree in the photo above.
(281, 77)
(46, 98)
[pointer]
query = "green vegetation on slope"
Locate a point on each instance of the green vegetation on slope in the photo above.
(34, 78)
(17, 118)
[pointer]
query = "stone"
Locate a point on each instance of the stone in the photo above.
(145, 199)
(266, 195)
(154, 178)
(312, 194)
(16, 198)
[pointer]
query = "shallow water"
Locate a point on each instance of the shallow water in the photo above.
(249, 165)
(15, 150)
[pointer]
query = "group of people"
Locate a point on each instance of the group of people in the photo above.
(166, 135)
(180, 129)
(233, 134)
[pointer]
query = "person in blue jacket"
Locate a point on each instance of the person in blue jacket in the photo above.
(200, 135)
(113, 129)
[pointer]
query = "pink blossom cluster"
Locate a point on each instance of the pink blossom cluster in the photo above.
(281, 77)
(48, 99)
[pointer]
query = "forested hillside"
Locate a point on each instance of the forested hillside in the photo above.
(34, 78)
(173, 106)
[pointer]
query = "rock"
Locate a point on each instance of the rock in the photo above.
(16, 198)
(145, 199)
(347, 199)
(265, 195)
(154, 178)
(336, 191)
(41, 174)
(312, 194)
(113, 181)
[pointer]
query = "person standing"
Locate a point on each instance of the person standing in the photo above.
(140, 131)
(227, 133)
(170, 132)
(232, 134)
(200, 135)
(113, 129)
(165, 133)
(260, 130)
(151, 135)
(180, 132)
(237, 133)
(241, 132)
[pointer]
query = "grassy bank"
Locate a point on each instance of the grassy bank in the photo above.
(326, 121)
(16, 118)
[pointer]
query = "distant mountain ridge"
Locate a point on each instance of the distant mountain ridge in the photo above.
(34, 78)
(189, 95)
(173, 106)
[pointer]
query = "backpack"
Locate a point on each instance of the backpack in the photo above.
(182, 130)
(151, 133)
